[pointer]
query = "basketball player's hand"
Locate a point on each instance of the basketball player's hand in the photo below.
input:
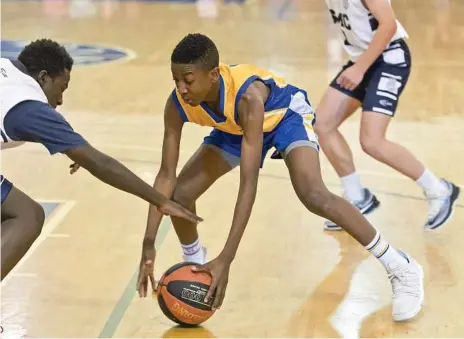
(219, 270)
(74, 167)
(351, 77)
(176, 210)
(147, 266)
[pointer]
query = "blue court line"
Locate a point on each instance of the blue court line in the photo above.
(284, 8)
(49, 207)
(127, 296)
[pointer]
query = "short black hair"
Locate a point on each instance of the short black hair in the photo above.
(196, 48)
(48, 55)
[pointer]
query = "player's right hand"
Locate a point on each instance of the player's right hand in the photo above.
(147, 266)
(176, 210)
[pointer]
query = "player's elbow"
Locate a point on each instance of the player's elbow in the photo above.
(389, 26)
(91, 159)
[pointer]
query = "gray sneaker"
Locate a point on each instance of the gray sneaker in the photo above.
(441, 207)
(365, 206)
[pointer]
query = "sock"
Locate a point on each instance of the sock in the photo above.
(431, 184)
(193, 252)
(386, 254)
(352, 188)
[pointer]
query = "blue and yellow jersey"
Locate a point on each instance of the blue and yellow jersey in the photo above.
(234, 80)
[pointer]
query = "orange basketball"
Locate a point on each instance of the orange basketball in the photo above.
(181, 295)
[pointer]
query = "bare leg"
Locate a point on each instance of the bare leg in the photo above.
(198, 174)
(373, 142)
(305, 173)
(22, 222)
(334, 108)
(405, 274)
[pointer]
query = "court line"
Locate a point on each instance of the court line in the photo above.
(284, 8)
(120, 308)
(56, 218)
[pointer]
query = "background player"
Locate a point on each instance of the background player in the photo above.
(30, 90)
(374, 78)
(252, 111)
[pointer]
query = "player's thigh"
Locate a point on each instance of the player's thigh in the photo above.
(383, 92)
(337, 105)
(17, 204)
(208, 164)
(334, 108)
(305, 174)
(387, 80)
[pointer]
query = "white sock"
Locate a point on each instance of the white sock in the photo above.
(431, 184)
(193, 252)
(352, 188)
(386, 254)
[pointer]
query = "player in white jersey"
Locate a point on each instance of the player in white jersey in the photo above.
(374, 79)
(30, 90)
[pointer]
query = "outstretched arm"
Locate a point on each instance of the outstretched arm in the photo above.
(166, 179)
(165, 183)
(251, 114)
(38, 122)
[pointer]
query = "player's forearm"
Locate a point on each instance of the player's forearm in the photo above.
(245, 200)
(384, 34)
(115, 174)
(164, 184)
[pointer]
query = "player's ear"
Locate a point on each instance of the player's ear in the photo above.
(42, 77)
(215, 74)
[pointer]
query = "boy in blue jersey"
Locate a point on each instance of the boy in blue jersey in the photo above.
(198, 78)
(34, 121)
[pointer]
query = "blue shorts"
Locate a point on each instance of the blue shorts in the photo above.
(5, 187)
(384, 81)
(293, 131)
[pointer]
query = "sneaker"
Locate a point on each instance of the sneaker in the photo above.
(10, 331)
(201, 257)
(408, 288)
(365, 206)
(441, 207)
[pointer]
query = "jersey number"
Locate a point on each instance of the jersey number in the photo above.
(3, 71)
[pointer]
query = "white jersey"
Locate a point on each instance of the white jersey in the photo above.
(15, 87)
(358, 25)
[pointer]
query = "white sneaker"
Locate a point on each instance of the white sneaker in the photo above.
(199, 258)
(408, 288)
(441, 206)
(9, 331)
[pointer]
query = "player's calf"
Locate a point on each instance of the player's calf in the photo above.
(404, 273)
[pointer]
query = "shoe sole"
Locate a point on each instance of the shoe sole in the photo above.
(411, 314)
(368, 210)
(454, 198)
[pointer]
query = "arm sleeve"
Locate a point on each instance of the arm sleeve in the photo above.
(37, 121)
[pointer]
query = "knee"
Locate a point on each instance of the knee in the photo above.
(318, 200)
(36, 219)
(371, 145)
(323, 127)
(183, 196)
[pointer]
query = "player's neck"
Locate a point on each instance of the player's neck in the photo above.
(214, 98)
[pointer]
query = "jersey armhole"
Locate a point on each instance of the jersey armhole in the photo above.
(240, 92)
(179, 107)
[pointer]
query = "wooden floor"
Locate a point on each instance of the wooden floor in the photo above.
(290, 278)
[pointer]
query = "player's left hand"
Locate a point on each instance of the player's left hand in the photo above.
(351, 77)
(74, 167)
(219, 270)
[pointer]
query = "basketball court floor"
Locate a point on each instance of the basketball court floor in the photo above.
(290, 278)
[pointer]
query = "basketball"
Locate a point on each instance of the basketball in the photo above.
(181, 295)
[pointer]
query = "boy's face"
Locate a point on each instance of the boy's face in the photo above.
(194, 82)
